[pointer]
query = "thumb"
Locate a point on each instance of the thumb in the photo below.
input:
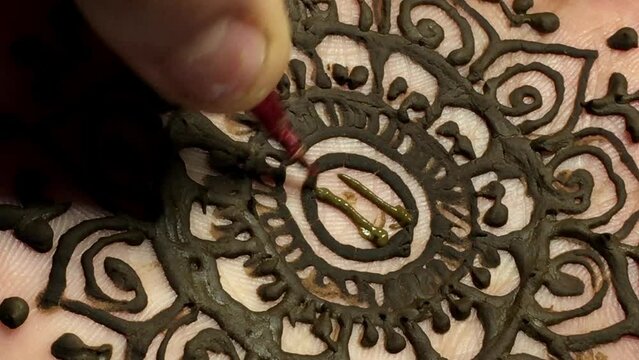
(211, 55)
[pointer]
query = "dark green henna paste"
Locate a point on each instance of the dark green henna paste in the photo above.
(618, 102)
(71, 347)
(340, 74)
(358, 77)
(442, 249)
(397, 88)
(624, 39)
(13, 312)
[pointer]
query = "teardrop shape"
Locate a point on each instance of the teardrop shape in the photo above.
(563, 284)
(544, 22)
(272, 291)
(322, 328)
(617, 85)
(365, 16)
(358, 77)
(298, 70)
(432, 33)
(497, 215)
(494, 190)
(624, 39)
(461, 308)
(414, 101)
(396, 88)
(322, 80)
(490, 257)
(70, 346)
(36, 233)
(460, 56)
(13, 312)
(480, 277)
(449, 129)
(122, 275)
(370, 337)
(441, 322)
(340, 74)
(394, 343)
(522, 6)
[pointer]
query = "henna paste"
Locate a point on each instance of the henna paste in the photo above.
(13, 312)
(618, 102)
(397, 212)
(397, 88)
(340, 74)
(522, 6)
(209, 341)
(624, 39)
(30, 225)
(368, 231)
(432, 264)
(542, 22)
(358, 77)
(71, 347)
(497, 215)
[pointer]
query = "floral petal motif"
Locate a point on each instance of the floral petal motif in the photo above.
(470, 198)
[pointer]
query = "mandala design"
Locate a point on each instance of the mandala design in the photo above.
(447, 227)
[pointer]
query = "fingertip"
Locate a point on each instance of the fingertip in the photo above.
(258, 82)
(214, 56)
(218, 67)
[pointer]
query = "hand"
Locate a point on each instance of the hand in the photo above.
(483, 181)
(218, 56)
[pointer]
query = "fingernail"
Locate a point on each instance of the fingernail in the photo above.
(221, 64)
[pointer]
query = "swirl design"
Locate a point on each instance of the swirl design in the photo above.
(445, 259)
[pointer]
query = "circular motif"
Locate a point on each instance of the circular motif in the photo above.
(397, 245)
(410, 159)
(421, 185)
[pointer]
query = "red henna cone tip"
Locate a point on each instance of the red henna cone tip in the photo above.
(272, 116)
(269, 110)
(300, 156)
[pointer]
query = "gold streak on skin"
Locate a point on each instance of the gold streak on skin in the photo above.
(350, 197)
(380, 220)
(368, 231)
(398, 212)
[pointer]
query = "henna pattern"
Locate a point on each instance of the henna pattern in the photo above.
(31, 225)
(13, 312)
(441, 242)
(623, 39)
(618, 102)
(71, 347)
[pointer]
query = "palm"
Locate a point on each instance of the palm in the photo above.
(498, 256)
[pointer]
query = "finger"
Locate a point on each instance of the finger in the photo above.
(212, 55)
